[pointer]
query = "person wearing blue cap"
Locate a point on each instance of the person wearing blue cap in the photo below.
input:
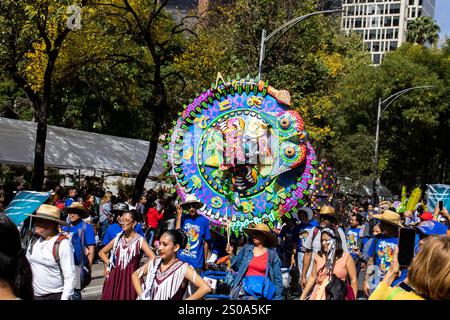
(430, 228)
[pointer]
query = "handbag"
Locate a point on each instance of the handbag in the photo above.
(336, 289)
(259, 287)
(350, 294)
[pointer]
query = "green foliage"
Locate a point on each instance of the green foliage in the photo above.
(423, 30)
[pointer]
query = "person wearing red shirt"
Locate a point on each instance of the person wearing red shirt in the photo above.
(153, 218)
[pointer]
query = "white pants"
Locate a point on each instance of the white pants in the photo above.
(300, 256)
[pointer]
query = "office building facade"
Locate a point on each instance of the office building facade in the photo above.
(383, 24)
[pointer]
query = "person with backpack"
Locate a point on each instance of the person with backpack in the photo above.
(51, 258)
(82, 236)
(328, 219)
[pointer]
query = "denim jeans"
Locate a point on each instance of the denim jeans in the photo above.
(150, 235)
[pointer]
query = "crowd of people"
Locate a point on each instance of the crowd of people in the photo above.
(344, 253)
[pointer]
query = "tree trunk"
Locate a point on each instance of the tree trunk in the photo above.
(39, 149)
(145, 170)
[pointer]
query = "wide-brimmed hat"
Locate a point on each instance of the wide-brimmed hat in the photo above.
(263, 229)
(48, 212)
(77, 208)
(390, 217)
(327, 211)
(190, 199)
(308, 211)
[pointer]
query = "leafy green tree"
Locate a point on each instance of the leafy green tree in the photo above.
(34, 32)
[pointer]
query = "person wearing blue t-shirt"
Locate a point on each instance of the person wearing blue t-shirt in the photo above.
(381, 249)
(71, 197)
(197, 231)
(115, 228)
(354, 236)
(82, 236)
(301, 232)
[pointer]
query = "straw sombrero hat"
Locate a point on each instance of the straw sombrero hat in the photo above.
(190, 199)
(77, 208)
(263, 229)
(328, 211)
(390, 217)
(48, 212)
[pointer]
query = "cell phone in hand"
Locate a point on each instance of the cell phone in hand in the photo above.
(441, 205)
(406, 244)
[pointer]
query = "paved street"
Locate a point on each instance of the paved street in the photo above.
(94, 290)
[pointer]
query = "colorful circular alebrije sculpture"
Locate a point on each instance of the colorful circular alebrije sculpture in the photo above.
(243, 153)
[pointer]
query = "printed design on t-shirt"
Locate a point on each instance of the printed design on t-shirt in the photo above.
(385, 252)
(352, 239)
(302, 236)
(193, 234)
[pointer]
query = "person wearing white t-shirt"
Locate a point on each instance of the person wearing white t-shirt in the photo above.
(328, 219)
(52, 279)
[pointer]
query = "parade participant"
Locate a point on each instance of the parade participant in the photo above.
(82, 236)
(51, 257)
(71, 197)
(105, 218)
(255, 263)
(153, 219)
(115, 228)
(218, 246)
(428, 277)
(354, 238)
(331, 260)
(197, 230)
(328, 219)
(140, 207)
(429, 228)
(302, 230)
(125, 252)
(168, 278)
(15, 271)
(381, 249)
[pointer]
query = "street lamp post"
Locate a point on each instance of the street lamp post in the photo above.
(380, 112)
(284, 28)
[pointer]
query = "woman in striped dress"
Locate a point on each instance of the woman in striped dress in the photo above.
(166, 277)
(126, 251)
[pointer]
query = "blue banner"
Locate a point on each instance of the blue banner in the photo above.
(25, 202)
(436, 193)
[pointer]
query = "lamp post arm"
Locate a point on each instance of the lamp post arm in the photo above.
(285, 26)
(397, 95)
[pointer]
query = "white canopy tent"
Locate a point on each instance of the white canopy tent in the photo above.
(74, 149)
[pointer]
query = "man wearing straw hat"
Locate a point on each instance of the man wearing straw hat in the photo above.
(381, 249)
(197, 230)
(51, 257)
(328, 219)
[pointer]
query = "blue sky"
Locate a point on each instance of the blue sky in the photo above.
(442, 16)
